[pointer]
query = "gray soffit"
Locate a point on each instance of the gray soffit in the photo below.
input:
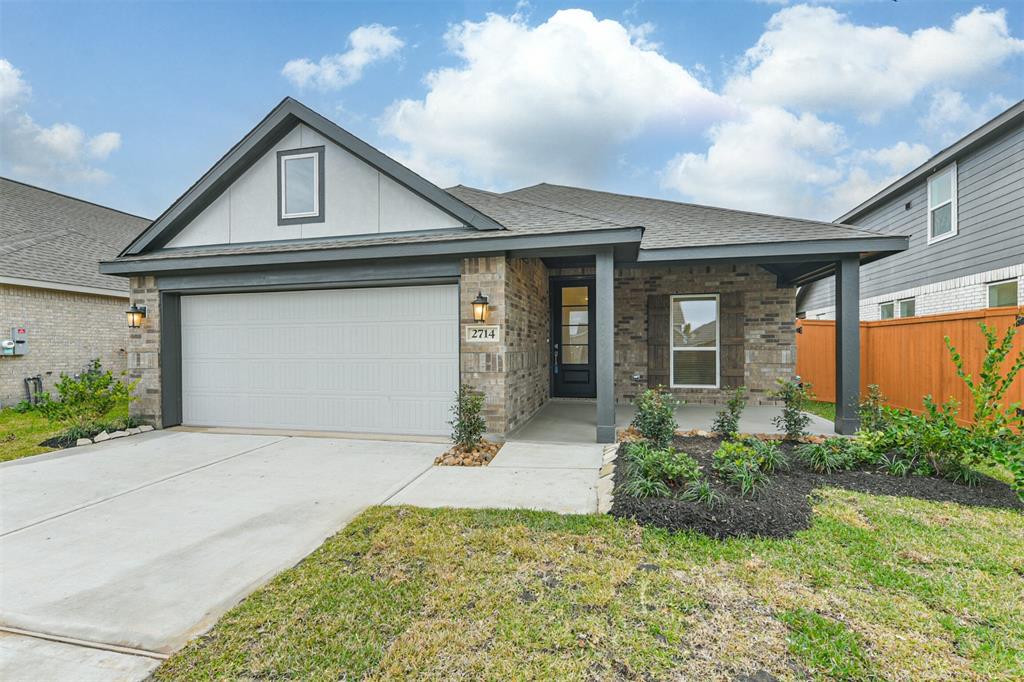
(1011, 117)
(259, 140)
(785, 252)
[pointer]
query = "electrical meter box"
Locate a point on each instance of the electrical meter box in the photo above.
(20, 337)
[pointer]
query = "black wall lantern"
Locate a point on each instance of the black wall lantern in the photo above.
(480, 307)
(136, 314)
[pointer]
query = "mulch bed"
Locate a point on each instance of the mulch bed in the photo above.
(478, 456)
(783, 507)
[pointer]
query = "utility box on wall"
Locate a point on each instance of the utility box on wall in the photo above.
(17, 343)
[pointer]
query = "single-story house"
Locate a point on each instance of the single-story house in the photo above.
(308, 281)
(57, 311)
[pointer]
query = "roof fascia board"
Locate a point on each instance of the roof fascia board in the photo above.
(780, 252)
(267, 132)
(476, 246)
(59, 286)
(1013, 115)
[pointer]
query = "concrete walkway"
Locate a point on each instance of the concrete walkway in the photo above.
(574, 421)
(144, 542)
(542, 476)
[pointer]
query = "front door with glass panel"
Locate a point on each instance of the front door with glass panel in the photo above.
(573, 372)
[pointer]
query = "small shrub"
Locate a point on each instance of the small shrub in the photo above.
(641, 488)
(661, 464)
(833, 455)
(794, 396)
(701, 491)
(727, 421)
(738, 463)
(769, 455)
(24, 407)
(873, 415)
(87, 397)
(468, 424)
(655, 418)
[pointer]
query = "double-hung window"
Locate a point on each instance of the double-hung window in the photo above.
(300, 182)
(942, 217)
(694, 341)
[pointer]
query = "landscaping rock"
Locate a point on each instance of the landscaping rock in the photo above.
(100, 437)
(134, 430)
(605, 486)
(607, 470)
(83, 441)
(119, 434)
(144, 428)
(479, 455)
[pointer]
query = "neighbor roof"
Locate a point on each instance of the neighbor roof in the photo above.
(1013, 116)
(50, 238)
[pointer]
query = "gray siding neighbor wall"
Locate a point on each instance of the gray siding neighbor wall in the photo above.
(990, 190)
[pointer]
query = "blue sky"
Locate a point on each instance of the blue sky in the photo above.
(784, 108)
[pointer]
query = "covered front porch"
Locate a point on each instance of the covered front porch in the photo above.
(575, 421)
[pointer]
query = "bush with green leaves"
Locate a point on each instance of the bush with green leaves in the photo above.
(468, 423)
(794, 396)
(669, 466)
(872, 410)
(770, 456)
(645, 487)
(739, 464)
(85, 398)
(727, 421)
(702, 492)
(835, 454)
(655, 418)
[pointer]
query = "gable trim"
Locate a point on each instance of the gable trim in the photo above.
(282, 119)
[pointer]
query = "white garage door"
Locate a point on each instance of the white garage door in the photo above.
(363, 360)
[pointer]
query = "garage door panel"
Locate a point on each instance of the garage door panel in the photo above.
(363, 360)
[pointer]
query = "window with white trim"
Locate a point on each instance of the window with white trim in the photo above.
(942, 210)
(1002, 293)
(887, 310)
(904, 307)
(300, 175)
(694, 342)
(908, 307)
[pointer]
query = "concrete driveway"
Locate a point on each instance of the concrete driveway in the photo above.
(144, 542)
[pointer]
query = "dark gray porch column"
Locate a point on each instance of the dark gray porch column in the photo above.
(605, 310)
(847, 344)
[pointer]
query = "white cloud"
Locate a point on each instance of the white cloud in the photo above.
(774, 161)
(950, 116)
(816, 59)
(55, 154)
(554, 101)
(366, 45)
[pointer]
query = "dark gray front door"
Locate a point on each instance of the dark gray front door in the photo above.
(573, 371)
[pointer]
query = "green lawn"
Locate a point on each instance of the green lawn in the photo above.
(822, 409)
(21, 434)
(877, 588)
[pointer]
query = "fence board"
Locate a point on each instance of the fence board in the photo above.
(907, 358)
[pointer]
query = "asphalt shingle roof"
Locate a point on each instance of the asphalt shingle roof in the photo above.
(672, 224)
(50, 237)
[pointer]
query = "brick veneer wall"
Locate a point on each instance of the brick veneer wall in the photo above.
(769, 346)
(144, 353)
(512, 373)
(66, 330)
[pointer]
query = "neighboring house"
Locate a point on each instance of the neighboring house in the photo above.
(963, 211)
(50, 286)
(308, 281)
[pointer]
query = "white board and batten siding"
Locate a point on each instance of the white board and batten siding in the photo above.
(377, 360)
(358, 200)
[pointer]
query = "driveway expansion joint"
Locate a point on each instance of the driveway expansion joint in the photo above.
(102, 646)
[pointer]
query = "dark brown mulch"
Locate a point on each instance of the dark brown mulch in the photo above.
(783, 507)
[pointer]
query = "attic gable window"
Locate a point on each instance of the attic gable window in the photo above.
(300, 186)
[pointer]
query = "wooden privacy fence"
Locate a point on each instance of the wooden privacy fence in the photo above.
(907, 358)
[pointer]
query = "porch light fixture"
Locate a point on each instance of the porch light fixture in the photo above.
(136, 314)
(480, 307)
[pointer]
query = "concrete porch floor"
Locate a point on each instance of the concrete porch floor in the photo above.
(575, 421)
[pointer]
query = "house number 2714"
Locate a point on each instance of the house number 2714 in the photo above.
(483, 333)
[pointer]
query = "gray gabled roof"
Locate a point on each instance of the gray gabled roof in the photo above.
(674, 225)
(259, 140)
(54, 239)
(1011, 117)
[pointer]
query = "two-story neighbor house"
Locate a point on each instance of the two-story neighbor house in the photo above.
(308, 281)
(963, 212)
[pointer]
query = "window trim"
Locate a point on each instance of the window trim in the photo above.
(317, 215)
(899, 310)
(954, 209)
(989, 285)
(718, 341)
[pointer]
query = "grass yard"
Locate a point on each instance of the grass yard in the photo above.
(822, 409)
(22, 433)
(877, 588)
